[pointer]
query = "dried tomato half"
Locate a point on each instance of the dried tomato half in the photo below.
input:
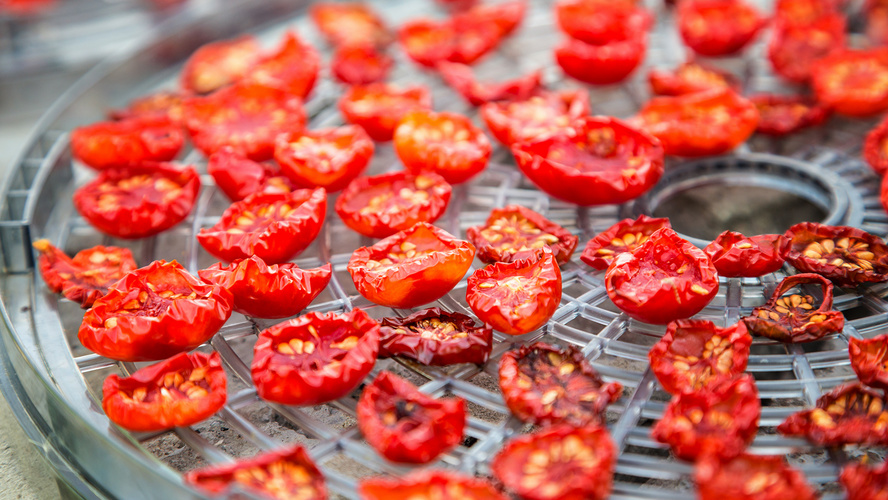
(138, 201)
(805, 11)
(153, 313)
(127, 143)
(516, 297)
(751, 477)
(163, 104)
(624, 236)
(88, 275)
(406, 426)
(274, 226)
(875, 148)
(292, 69)
(735, 255)
(558, 463)
(603, 64)
(461, 40)
(505, 16)
(795, 47)
(869, 359)
(238, 176)
(545, 385)
(329, 158)
(461, 78)
(379, 107)
(381, 205)
(597, 161)
(849, 414)
(846, 255)
(522, 120)
(718, 27)
(600, 22)
(781, 115)
(664, 279)
(360, 64)
(435, 337)
(796, 318)
(853, 82)
(865, 483)
(315, 358)
(411, 268)
(429, 483)
(286, 473)
(263, 291)
(181, 391)
(516, 232)
(691, 77)
(350, 24)
(695, 354)
(218, 64)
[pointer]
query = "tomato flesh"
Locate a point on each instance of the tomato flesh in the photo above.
(853, 82)
(128, 142)
(238, 176)
(718, 27)
(735, 255)
(292, 69)
(783, 115)
(865, 483)
(796, 47)
(435, 337)
(869, 359)
(845, 255)
(88, 275)
(796, 317)
(438, 484)
(623, 236)
(350, 24)
(219, 64)
(691, 77)
(328, 158)
(515, 232)
(849, 414)
(603, 64)
(545, 113)
(379, 107)
(751, 477)
(875, 148)
(360, 65)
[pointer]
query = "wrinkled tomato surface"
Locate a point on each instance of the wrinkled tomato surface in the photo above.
(847, 256)
(862, 482)
(795, 47)
(516, 232)
(435, 337)
(624, 236)
(88, 275)
(379, 107)
(603, 64)
(166, 104)
(329, 158)
(293, 68)
(128, 142)
(219, 64)
(849, 414)
(781, 115)
(691, 77)
(360, 65)
(718, 27)
(805, 11)
(434, 483)
(751, 477)
(238, 176)
(545, 113)
(601, 22)
(350, 24)
(462, 40)
(461, 78)
(875, 148)
(869, 359)
(505, 16)
(735, 255)
(796, 317)
(853, 82)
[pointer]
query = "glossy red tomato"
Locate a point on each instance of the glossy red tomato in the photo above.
(875, 148)
(795, 47)
(88, 275)
(853, 82)
(461, 40)
(604, 64)
(445, 143)
(315, 358)
(350, 24)
(153, 313)
(238, 176)
(735, 255)
(516, 297)
(515, 232)
(623, 236)
(718, 27)
(796, 317)
(849, 414)
(138, 201)
(218, 64)
(461, 78)
(545, 113)
(751, 477)
(435, 337)
(862, 482)
(273, 226)
(781, 115)
(329, 158)
(428, 483)
(263, 291)
(179, 392)
(411, 268)
(127, 143)
(846, 255)
(161, 104)
(381, 205)
(601, 22)
(691, 77)
(292, 69)
(869, 359)
(597, 161)
(360, 64)
(379, 107)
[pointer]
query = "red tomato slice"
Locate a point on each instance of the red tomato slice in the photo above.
(847, 256)
(718, 27)
(515, 232)
(603, 64)
(439, 484)
(623, 236)
(853, 82)
(529, 119)
(782, 115)
(329, 158)
(292, 69)
(127, 143)
(849, 414)
(360, 64)
(735, 255)
(379, 107)
(350, 24)
(461, 78)
(88, 275)
(796, 318)
(875, 148)
(751, 477)
(691, 77)
(436, 338)
(238, 176)
(869, 359)
(219, 64)
(865, 483)
(599, 23)
(795, 47)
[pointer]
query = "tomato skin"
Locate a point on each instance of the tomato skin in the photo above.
(439, 262)
(783, 115)
(329, 158)
(868, 358)
(138, 201)
(238, 176)
(849, 414)
(542, 114)
(407, 337)
(88, 275)
(735, 479)
(294, 222)
(875, 148)
(127, 143)
(597, 161)
(360, 65)
(461, 78)
(379, 107)
(868, 253)
(381, 205)
(850, 82)
(804, 325)
(192, 403)
(600, 23)
(604, 64)
(601, 250)
(169, 325)
(516, 311)
(795, 47)
(691, 77)
(865, 483)
(219, 64)
(302, 378)
(427, 484)
(534, 231)
(350, 24)
(735, 255)
(292, 69)
(433, 427)
(263, 291)
(718, 27)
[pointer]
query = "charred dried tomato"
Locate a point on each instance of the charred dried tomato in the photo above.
(461, 78)
(465, 41)
(350, 24)
(516, 297)
(360, 65)
(127, 143)
(695, 354)
(846, 255)
(603, 64)
(411, 268)
(88, 275)
(735, 255)
(542, 114)
(849, 414)
(515, 232)
(624, 236)
(796, 318)
(287, 473)
(315, 358)
(379, 107)
(329, 158)
(439, 484)
(865, 483)
(292, 69)
(691, 77)
(238, 176)
(751, 477)
(558, 463)
(782, 115)
(263, 291)
(545, 385)
(875, 148)
(435, 337)
(181, 391)
(407, 426)
(853, 82)
(869, 359)
(161, 104)
(597, 161)
(795, 47)
(218, 64)
(138, 201)
(273, 226)
(718, 27)
(153, 313)
(600, 22)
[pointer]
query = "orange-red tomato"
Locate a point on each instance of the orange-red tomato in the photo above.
(426, 483)
(88, 275)
(603, 64)
(718, 27)
(516, 232)
(127, 142)
(853, 82)
(379, 107)
(293, 68)
(360, 64)
(691, 77)
(350, 24)
(461, 78)
(795, 47)
(447, 144)
(528, 119)
(218, 64)
(329, 158)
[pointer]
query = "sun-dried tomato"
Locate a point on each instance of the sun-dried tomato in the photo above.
(846, 255)
(547, 112)
(691, 77)
(238, 176)
(869, 359)
(461, 40)
(164, 104)
(218, 64)
(350, 24)
(545, 385)
(360, 65)
(624, 236)
(329, 158)
(435, 337)
(853, 82)
(876, 14)
(293, 68)
(780, 115)
(805, 11)
(718, 27)
(461, 78)
(751, 477)
(849, 414)
(88, 275)
(795, 47)
(379, 107)
(862, 482)
(516, 232)
(735, 255)
(126, 143)
(796, 318)
(601, 22)
(506, 16)
(875, 148)
(603, 64)
(434, 483)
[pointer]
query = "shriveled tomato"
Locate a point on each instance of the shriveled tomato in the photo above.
(782, 115)
(314, 358)
(875, 148)
(869, 359)
(695, 354)
(597, 161)
(796, 318)
(161, 104)
(545, 385)
(853, 82)
(876, 13)
(350, 24)
(286, 473)
(246, 116)
(153, 313)
(603, 64)
(381, 205)
(379, 107)
(445, 143)
(751, 477)
(600, 22)
(138, 201)
(805, 11)
(664, 279)
(263, 291)
(846, 255)
(218, 64)
(26, 7)
(691, 77)
(238, 176)
(181, 391)
(516, 297)
(700, 124)
(411, 268)
(360, 64)
(274, 226)
(849, 414)
(558, 463)
(522, 120)
(292, 69)
(329, 158)
(127, 143)
(406, 426)
(735, 255)
(461, 78)
(428, 483)
(624, 236)
(506, 16)
(88, 275)
(515, 232)
(429, 42)
(865, 483)
(795, 46)
(718, 27)
(435, 337)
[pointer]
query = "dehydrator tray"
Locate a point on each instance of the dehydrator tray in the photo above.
(54, 384)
